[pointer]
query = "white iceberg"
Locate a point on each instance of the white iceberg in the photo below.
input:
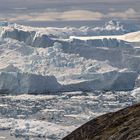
(17, 83)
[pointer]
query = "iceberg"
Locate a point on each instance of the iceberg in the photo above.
(18, 83)
(109, 81)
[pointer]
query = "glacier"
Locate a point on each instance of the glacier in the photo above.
(82, 62)
(52, 79)
(45, 37)
(72, 71)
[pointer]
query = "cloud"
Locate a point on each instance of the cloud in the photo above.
(69, 15)
(72, 15)
(128, 14)
(81, 15)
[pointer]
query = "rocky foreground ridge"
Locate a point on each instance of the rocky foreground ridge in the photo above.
(121, 125)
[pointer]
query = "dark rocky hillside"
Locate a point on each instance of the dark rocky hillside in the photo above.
(121, 125)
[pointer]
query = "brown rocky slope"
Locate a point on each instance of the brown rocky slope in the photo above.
(121, 125)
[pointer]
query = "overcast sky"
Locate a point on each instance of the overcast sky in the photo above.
(68, 10)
